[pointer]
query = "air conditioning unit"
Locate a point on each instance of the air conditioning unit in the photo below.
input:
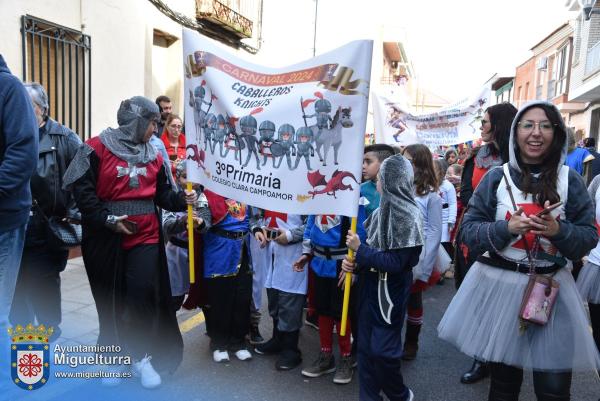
(542, 63)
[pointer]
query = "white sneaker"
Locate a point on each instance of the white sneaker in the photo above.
(411, 396)
(144, 370)
(243, 355)
(220, 356)
(114, 380)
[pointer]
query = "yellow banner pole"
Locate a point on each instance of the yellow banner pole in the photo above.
(190, 226)
(347, 285)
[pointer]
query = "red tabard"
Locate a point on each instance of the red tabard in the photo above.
(112, 188)
(478, 173)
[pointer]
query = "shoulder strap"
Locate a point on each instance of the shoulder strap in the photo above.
(37, 206)
(525, 242)
(509, 189)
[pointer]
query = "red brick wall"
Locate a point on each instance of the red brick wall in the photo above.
(525, 74)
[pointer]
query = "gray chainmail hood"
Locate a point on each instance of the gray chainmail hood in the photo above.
(513, 147)
(397, 222)
(125, 142)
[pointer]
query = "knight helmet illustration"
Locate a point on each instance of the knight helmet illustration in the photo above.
(304, 148)
(267, 134)
(284, 145)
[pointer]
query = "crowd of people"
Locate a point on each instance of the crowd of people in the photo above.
(512, 216)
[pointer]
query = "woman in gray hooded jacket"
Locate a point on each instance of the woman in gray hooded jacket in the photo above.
(501, 225)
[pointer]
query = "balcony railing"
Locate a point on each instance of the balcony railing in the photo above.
(222, 15)
(592, 62)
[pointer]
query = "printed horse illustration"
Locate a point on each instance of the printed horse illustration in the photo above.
(332, 137)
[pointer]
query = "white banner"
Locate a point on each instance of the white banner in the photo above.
(452, 125)
(284, 139)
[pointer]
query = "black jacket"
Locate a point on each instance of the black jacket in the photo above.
(57, 148)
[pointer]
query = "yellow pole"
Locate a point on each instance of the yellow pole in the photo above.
(190, 225)
(347, 285)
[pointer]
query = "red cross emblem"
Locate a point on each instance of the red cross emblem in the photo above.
(529, 209)
(30, 365)
(324, 218)
(272, 218)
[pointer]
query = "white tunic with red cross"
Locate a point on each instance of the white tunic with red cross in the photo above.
(504, 210)
(280, 274)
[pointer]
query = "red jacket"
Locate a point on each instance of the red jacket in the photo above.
(174, 154)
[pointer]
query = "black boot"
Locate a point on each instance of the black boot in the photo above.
(273, 346)
(501, 391)
(552, 386)
(255, 337)
(479, 371)
(290, 356)
(411, 342)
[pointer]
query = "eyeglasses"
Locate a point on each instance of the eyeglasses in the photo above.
(176, 126)
(527, 126)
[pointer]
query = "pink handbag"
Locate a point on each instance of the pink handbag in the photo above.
(538, 299)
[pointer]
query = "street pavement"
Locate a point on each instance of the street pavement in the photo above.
(433, 376)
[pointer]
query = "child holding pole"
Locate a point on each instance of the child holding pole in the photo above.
(324, 247)
(385, 262)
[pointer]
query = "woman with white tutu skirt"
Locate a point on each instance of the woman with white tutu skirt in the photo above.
(483, 320)
(588, 281)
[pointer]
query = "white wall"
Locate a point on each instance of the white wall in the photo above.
(117, 40)
(67, 14)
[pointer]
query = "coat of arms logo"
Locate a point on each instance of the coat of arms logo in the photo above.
(30, 355)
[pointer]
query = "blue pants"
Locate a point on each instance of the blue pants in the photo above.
(380, 343)
(11, 248)
(379, 374)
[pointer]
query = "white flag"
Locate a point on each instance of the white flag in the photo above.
(459, 123)
(283, 139)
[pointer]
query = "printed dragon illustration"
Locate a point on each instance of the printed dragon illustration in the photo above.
(316, 179)
(196, 155)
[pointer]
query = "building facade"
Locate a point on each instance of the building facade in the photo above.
(524, 83)
(553, 63)
(585, 71)
(90, 55)
(502, 88)
(548, 75)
